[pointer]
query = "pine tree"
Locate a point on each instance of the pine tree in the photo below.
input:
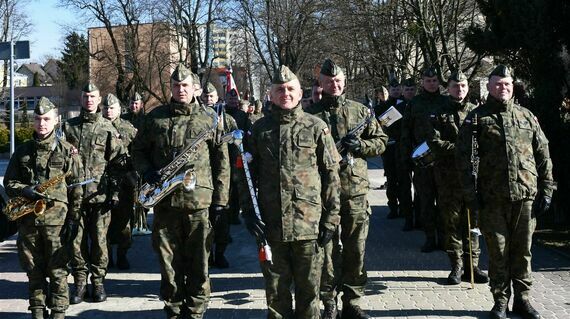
(74, 63)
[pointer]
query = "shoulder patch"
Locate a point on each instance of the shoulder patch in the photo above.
(326, 131)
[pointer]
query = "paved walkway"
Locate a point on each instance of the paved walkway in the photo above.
(403, 283)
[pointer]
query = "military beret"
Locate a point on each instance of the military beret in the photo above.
(43, 106)
(136, 97)
(457, 76)
(429, 72)
(110, 99)
(90, 87)
(409, 82)
(283, 75)
(502, 71)
(394, 82)
(181, 73)
(209, 88)
(329, 68)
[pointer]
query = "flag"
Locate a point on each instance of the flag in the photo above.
(231, 87)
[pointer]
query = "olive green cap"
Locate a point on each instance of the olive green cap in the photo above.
(409, 82)
(329, 68)
(181, 73)
(283, 75)
(90, 87)
(136, 97)
(502, 71)
(110, 99)
(195, 78)
(429, 72)
(457, 76)
(209, 88)
(394, 82)
(43, 106)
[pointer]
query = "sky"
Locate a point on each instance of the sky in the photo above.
(50, 25)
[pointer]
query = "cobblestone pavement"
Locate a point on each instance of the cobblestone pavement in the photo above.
(403, 283)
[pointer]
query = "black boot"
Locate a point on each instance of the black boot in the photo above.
(122, 261)
(220, 260)
(499, 311)
(78, 293)
(40, 313)
(479, 276)
(99, 294)
(454, 277)
(392, 214)
(331, 311)
(429, 245)
(353, 312)
(524, 309)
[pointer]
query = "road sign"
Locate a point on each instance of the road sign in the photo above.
(21, 50)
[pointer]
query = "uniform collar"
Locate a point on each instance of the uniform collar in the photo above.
(330, 101)
(497, 105)
(45, 143)
(90, 117)
(179, 108)
(286, 116)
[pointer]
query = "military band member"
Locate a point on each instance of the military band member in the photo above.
(514, 185)
(44, 241)
(181, 228)
(412, 215)
(101, 152)
(341, 116)
(135, 115)
(295, 167)
(120, 227)
(443, 128)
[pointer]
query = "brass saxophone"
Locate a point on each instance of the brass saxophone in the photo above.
(21, 206)
(151, 194)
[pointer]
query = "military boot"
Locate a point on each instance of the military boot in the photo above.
(40, 313)
(454, 277)
(479, 276)
(353, 312)
(331, 311)
(122, 261)
(78, 293)
(220, 260)
(499, 311)
(57, 315)
(99, 294)
(429, 245)
(523, 308)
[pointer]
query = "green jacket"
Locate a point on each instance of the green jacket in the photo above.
(35, 162)
(341, 116)
(167, 130)
(295, 165)
(136, 119)
(102, 154)
(514, 158)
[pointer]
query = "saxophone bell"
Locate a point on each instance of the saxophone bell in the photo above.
(189, 180)
(40, 207)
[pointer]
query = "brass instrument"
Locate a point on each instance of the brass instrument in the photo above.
(21, 206)
(151, 194)
(348, 158)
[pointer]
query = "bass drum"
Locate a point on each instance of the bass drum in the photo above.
(7, 228)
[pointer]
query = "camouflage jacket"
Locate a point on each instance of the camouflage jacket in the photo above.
(170, 128)
(414, 121)
(35, 162)
(102, 154)
(126, 129)
(136, 119)
(514, 158)
(295, 165)
(341, 116)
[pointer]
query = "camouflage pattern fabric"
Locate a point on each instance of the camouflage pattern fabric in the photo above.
(136, 119)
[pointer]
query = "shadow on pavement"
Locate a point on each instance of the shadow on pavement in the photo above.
(233, 283)
(13, 290)
(429, 313)
(439, 281)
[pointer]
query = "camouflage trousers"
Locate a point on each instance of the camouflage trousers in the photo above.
(90, 254)
(332, 263)
(181, 238)
(508, 227)
(41, 255)
(352, 278)
(297, 263)
(398, 183)
(424, 182)
(221, 226)
(120, 227)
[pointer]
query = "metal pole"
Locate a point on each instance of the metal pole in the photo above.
(12, 131)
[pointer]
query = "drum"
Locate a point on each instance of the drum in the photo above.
(422, 156)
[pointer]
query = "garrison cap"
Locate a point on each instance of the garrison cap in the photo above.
(457, 76)
(43, 106)
(409, 82)
(196, 79)
(90, 87)
(209, 88)
(136, 97)
(329, 68)
(181, 73)
(429, 72)
(110, 99)
(502, 71)
(283, 75)
(394, 82)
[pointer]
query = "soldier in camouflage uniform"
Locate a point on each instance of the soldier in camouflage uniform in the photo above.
(343, 115)
(405, 171)
(443, 128)
(514, 184)
(102, 154)
(120, 229)
(414, 119)
(181, 228)
(295, 166)
(219, 218)
(44, 241)
(135, 115)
